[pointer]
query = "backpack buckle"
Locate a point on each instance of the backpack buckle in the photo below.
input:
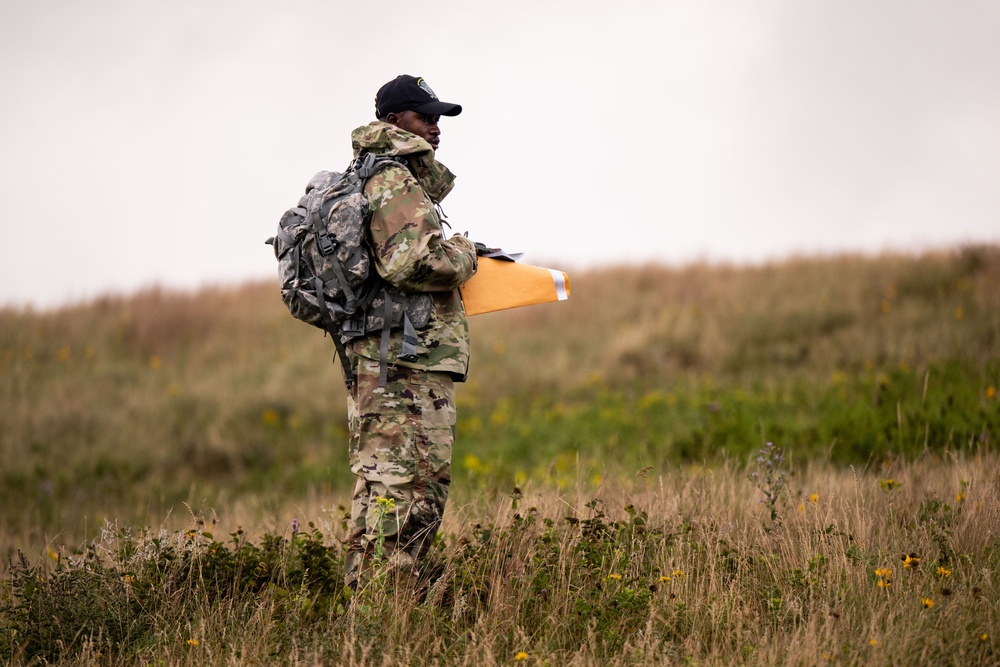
(364, 165)
(353, 327)
(326, 244)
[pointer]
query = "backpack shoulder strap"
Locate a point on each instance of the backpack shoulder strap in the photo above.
(369, 164)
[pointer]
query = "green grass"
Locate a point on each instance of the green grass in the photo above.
(691, 566)
(126, 407)
(861, 369)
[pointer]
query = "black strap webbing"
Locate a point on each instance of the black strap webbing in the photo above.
(334, 332)
(352, 300)
(408, 352)
(285, 237)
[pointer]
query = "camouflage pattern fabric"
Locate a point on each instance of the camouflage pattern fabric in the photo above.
(410, 250)
(402, 434)
(400, 450)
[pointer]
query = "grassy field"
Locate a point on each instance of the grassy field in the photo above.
(156, 451)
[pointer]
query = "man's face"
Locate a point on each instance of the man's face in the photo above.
(420, 124)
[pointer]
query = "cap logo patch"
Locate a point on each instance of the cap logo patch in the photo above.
(424, 87)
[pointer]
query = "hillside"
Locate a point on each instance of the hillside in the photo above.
(124, 407)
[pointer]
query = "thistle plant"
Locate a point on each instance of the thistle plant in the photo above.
(769, 476)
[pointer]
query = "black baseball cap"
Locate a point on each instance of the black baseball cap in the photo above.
(411, 93)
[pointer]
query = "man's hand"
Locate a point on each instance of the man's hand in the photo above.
(482, 250)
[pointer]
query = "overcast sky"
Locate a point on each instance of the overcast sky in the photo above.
(148, 143)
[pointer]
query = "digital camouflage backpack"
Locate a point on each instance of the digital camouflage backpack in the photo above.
(325, 269)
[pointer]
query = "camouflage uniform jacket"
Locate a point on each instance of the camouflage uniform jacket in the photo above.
(409, 248)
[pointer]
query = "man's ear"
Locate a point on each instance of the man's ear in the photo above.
(392, 119)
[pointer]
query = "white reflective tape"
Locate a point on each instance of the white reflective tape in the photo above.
(560, 281)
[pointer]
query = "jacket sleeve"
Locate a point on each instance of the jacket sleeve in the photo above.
(407, 239)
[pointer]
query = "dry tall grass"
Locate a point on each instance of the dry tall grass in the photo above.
(121, 409)
(728, 586)
(124, 407)
(893, 566)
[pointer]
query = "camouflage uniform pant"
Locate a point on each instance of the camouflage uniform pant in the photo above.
(400, 451)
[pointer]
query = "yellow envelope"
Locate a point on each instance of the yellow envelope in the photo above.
(499, 284)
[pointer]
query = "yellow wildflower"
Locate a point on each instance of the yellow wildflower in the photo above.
(677, 573)
(983, 637)
(521, 655)
(927, 602)
(500, 416)
(960, 497)
(814, 498)
(991, 392)
(888, 484)
(911, 561)
(270, 417)
(942, 571)
(873, 642)
(53, 554)
(615, 577)
(385, 504)
(193, 642)
(664, 579)
(473, 463)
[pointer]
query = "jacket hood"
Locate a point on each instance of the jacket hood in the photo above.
(387, 139)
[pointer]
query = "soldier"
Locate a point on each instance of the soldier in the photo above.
(402, 434)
